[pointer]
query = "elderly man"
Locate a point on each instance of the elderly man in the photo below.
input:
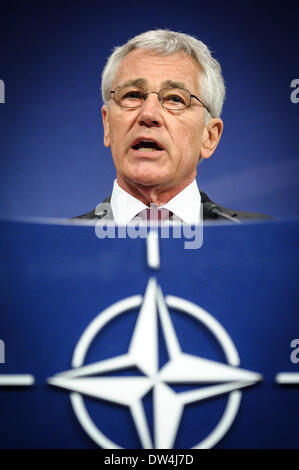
(163, 95)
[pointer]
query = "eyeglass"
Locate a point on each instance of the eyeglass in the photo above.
(173, 99)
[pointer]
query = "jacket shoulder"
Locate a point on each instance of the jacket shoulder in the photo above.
(102, 211)
(240, 215)
(88, 215)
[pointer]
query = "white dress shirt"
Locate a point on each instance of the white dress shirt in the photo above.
(185, 205)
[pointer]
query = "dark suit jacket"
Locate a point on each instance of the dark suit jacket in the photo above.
(105, 212)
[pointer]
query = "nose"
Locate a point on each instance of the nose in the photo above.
(150, 114)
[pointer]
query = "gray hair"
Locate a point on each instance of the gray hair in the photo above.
(167, 42)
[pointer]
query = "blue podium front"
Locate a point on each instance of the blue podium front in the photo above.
(100, 350)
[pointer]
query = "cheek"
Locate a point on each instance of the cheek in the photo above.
(194, 137)
(116, 134)
(186, 132)
(187, 141)
(189, 146)
(120, 126)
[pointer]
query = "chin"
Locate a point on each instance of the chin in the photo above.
(148, 178)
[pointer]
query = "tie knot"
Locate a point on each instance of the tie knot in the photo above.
(154, 214)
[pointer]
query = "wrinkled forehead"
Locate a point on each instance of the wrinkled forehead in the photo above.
(149, 69)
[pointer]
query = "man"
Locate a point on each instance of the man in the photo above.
(163, 95)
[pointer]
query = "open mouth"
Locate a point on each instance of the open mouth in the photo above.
(147, 146)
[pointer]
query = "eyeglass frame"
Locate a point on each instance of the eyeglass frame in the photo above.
(160, 101)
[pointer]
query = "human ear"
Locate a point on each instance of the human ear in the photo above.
(105, 118)
(211, 137)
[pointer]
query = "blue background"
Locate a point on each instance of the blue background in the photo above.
(52, 159)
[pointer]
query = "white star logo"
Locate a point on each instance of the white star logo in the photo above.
(143, 353)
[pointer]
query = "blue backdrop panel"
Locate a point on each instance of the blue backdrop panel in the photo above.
(52, 159)
(56, 279)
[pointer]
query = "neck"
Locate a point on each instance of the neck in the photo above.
(152, 194)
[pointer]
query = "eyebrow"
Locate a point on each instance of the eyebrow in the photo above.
(142, 82)
(136, 82)
(173, 84)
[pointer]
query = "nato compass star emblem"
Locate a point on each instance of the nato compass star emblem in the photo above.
(143, 353)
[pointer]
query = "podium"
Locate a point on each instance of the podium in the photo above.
(100, 350)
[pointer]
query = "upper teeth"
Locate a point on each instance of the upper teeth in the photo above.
(146, 149)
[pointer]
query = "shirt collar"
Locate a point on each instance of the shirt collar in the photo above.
(124, 206)
(185, 205)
